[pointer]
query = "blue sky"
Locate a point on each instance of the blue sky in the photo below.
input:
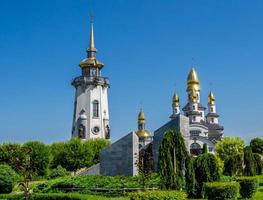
(147, 47)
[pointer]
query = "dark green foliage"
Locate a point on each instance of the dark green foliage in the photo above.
(145, 164)
(94, 181)
(249, 162)
(58, 172)
(8, 178)
(248, 186)
(40, 157)
(258, 163)
(76, 154)
(256, 145)
(221, 190)
(44, 197)
(190, 178)
(172, 161)
(12, 155)
(206, 170)
(205, 148)
(233, 165)
(158, 195)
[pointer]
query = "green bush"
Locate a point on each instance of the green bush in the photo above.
(248, 186)
(221, 190)
(206, 170)
(50, 196)
(58, 172)
(8, 178)
(158, 195)
(86, 182)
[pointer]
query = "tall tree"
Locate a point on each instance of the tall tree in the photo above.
(40, 156)
(256, 145)
(229, 146)
(206, 170)
(174, 165)
(249, 162)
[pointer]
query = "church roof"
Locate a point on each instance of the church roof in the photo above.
(212, 115)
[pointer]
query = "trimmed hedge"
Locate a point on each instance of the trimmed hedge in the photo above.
(43, 197)
(158, 195)
(221, 190)
(248, 186)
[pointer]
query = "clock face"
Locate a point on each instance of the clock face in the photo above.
(96, 129)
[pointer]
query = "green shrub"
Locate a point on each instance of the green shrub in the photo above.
(50, 196)
(86, 182)
(259, 163)
(8, 178)
(58, 172)
(221, 190)
(248, 186)
(158, 195)
(206, 170)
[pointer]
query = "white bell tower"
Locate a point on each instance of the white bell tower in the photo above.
(91, 112)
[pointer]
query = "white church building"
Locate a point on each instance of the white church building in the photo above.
(91, 119)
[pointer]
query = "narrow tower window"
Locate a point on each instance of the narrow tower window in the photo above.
(95, 108)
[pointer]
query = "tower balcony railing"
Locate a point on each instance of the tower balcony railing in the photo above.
(96, 80)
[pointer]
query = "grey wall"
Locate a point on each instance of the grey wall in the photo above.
(181, 124)
(120, 158)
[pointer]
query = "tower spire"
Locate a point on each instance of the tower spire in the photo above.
(91, 50)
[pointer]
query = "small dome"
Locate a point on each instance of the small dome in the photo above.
(143, 133)
(175, 100)
(90, 62)
(193, 81)
(211, 98)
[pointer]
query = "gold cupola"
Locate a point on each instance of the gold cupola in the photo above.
(142, 133)
(176, 101)
(193, 81)
(211, 98)
(91, 60)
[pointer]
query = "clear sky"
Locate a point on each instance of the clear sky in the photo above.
(147, 46)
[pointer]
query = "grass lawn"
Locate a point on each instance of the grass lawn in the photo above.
(259, 194)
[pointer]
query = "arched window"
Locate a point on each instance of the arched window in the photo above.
(95, 106)
(195, 149)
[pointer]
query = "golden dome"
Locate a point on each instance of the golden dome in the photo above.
(193, 81)
(211, 98)
(143, 133)
(175, 100)
(90, 62)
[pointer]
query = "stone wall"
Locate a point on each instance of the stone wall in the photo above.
(180, 124)
(120, 158)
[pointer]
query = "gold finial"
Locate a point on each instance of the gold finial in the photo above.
(141, 117)
(91, 39)
(91, 60)
(193, 81)
(175, 100)
(211, 98)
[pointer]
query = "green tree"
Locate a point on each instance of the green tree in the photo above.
(173, 164)
(233, 165)
(206, 170)
(259, 163)
(249, 162)
(10, 154)
(205, 148)
(256, 145)
(40, 157)
(229, 146)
